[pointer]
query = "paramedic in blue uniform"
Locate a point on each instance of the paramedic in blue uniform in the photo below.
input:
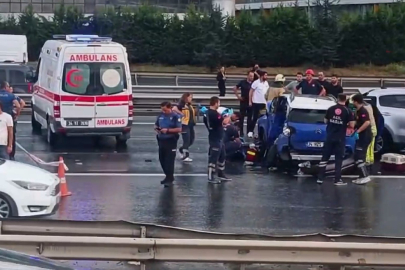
(10, 103)
(337, 119)
(232, 141)
(168, 128)
(215, 123)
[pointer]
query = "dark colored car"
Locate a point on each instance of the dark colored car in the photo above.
(15, 74)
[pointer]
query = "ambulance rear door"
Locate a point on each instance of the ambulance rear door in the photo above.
(112, 76)
(77, 99)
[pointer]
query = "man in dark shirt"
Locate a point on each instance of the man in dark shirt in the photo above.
(322, 81)
(365, 136)
(334, 88)
(309, 86)
(214, 122)
(245, 110)
(256, 72)
(337, 118)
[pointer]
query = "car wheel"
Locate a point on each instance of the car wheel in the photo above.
(36, 126)
(5, 208)
(51, 137)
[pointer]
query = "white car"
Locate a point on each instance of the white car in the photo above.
(26, 190)
(391, 103)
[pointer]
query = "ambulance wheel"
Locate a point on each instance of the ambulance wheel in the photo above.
(51, 137)
(36, 126)
(121, 141)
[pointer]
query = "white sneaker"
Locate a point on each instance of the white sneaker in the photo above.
(250, 135)
(362, 181)
(187, 159)
(181, 156)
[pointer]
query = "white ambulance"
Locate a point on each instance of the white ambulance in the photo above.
(82, 87)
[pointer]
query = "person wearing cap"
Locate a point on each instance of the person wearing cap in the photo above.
(309, 86)
(277, 88)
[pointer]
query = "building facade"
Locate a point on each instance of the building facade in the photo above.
(228, 7)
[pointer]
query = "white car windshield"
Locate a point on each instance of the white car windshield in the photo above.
(306, 116)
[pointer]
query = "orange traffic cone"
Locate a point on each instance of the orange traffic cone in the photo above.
(61, 174)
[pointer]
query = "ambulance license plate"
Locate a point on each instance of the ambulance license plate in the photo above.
(315, 144)
(77, 123)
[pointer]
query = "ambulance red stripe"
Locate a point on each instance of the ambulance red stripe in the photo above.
(98, 99)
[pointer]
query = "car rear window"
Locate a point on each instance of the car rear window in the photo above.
(94, 78)
(393, 101)
(306, 116)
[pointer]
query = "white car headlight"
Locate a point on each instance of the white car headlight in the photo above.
(286, 131)
(31, 186)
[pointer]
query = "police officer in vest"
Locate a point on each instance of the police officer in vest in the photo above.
(167, 127)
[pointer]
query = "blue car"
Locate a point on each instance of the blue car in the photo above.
(298, 135)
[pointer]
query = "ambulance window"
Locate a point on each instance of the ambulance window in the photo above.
(112, 78)
(76, 78)
(17, 76)
(94, 78)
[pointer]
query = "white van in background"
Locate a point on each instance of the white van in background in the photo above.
(13, 48)
(82, 87)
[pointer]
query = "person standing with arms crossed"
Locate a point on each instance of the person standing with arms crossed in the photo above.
(167, 127)
(221, 78)
(215, 123)
(257, 99)
(245, 110)
(337, 118)
(6, 133)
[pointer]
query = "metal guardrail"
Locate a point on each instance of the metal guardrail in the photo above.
(197, 250)
(145, 78)
(126, 241)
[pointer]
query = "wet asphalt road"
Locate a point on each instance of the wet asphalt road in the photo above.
(123, 184)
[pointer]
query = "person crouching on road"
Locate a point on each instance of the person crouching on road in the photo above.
(214, 122)
(185, 108)
(337, 119)
(167, 127)
(6, 133)
(364, 133)
(15, 118)
(232, 141)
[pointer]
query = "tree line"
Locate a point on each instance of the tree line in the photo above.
(285, 36)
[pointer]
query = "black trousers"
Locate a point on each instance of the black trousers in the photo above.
(332, 147)
(12, 154)
(216, 157)
(245, 111)
(256, 108)
(360, 154)
(222, 89)
(167, 157)
(188, 135)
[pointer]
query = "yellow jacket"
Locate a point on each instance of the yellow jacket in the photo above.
(185, 110)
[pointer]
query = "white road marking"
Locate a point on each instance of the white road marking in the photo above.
(203, 175)
(135, 174)
(134, 123)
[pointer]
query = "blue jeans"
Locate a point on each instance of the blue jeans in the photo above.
(3, 151)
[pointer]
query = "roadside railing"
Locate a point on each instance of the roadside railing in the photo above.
(144, 243)
(145, 78)
(147, 98)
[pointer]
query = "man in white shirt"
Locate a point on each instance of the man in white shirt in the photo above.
(257, 99)
(6, 133)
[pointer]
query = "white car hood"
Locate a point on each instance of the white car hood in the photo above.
(13, 170)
